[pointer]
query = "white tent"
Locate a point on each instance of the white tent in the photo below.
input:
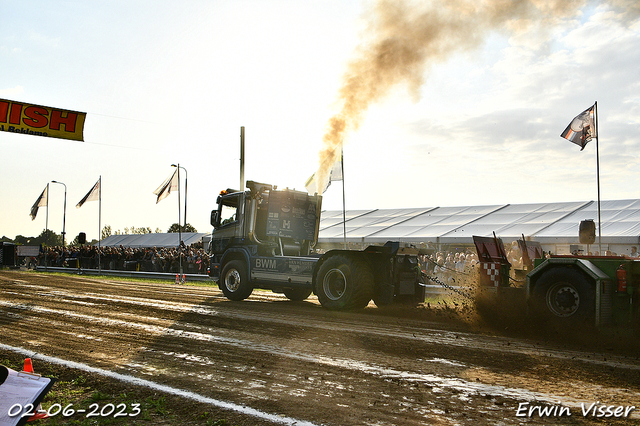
(552, 224)
(548, 223)
(152, 240)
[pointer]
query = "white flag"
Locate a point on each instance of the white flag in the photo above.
(334, 175)
(42, 200)
(92, 195)
(165, 189)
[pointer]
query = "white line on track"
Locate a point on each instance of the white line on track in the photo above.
(159, 387)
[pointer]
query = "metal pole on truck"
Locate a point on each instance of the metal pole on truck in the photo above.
(242, 159)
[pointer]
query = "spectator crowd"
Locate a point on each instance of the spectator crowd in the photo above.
(148, 259)
(445, 264)
(442, 264)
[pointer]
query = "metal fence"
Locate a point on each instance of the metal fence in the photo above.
(431, 289)
(166, 276)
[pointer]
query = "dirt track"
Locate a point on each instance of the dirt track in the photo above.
(300, 361)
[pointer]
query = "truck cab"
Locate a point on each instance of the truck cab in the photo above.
(269, 235)
(273, 222)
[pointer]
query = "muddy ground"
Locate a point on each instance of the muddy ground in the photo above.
(267, 360)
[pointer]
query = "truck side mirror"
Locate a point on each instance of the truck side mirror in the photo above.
(214, 218)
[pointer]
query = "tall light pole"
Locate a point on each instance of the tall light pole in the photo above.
(185, 209)
(64, 213)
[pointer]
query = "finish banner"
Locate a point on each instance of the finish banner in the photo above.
(18, 117)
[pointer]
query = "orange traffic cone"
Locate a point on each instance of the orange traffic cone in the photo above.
(183, 279)
(40, 413)
(177, 278)
(28, 366)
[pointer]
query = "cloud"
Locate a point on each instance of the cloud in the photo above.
(12, 91)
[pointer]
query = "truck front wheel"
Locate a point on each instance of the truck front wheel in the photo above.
(564, 295)
(344, 283)
(234, 281)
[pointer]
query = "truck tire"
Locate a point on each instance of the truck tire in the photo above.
(234, 281)
(297, 294)
(564, 296)
(344, 283)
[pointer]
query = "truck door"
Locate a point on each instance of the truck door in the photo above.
(226, 221)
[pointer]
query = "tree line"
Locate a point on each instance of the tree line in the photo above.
(49, 238)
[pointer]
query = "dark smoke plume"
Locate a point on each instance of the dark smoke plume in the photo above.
(405, 38)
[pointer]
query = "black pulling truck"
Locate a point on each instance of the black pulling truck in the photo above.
(265, 238)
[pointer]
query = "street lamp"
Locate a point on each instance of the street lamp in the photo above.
(185, 210)
(64, 214)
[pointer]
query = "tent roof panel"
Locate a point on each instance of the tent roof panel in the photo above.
(151, 240)
(540, 221)
(544, 222)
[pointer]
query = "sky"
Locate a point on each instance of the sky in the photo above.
(465, 107)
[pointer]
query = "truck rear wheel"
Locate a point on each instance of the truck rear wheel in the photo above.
(563, 295)
(344, 283)
(234, 281)
(297, 294)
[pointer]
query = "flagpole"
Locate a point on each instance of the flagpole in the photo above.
(46, 228)
(344, 215)
(179, 228)
(99, 219)
(597, 133)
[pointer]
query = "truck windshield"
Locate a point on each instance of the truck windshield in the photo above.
(228, 214)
